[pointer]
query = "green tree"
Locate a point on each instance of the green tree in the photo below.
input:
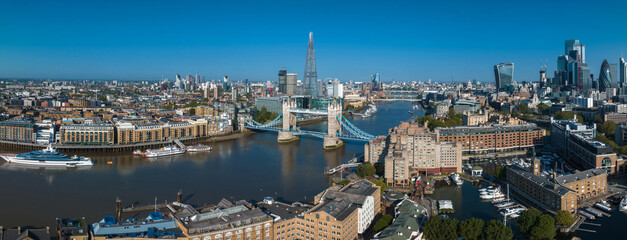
(170, 106)
(543, 109)
(348, 107)
(568, 115)
(366, 169)
(523, 108)
(192, 111)
(564, 218)
(496, 230)
(451, 112)
(597, 118)
(608, 128)
(544, 228)
(471, 229)
(527, 220)
(380, 225)
(431, 228)
(344, 182)
(102, 98)
(380, 182)
(192, 104)
(448, 229)
(499, 172)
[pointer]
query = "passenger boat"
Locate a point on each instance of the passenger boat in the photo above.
(138, 152)
(199, 148)
(49, 157)
(165, 151)
(623, 204)
(455, 177)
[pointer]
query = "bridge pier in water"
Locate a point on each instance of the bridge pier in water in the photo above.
(286, 134)
(334, 130)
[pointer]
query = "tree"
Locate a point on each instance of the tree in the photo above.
(344, 182)
(568, 115)
(496, 230)
(448, 229)
(385, 221)
(543, 109)
(349, 107)
(597, 118)
(523, 108)
(432, 228)
(564, 218)
(527, 220)
(366, 169)
(451, 112)
(544, 228)
(380, 183)
(608, 128)
(471, 229)
(499, 172)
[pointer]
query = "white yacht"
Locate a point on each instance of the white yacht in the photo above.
(623, 204)
(456, 179)
(164, 151)
(49, 157)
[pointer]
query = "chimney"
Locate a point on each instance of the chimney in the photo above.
(179, 196)
(536, 166)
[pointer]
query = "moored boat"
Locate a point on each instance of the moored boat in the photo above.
(623, 204)
(165, 151)
(138, 152)
(199, 148)
(49, 157)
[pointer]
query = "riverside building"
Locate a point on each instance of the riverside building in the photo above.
(87, 134)
(18, 131)
(494, 138)
(557, 193)
(413, 149)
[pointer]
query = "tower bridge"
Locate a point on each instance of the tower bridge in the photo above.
(339, 129)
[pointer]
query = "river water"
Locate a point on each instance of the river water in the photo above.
(249, 168)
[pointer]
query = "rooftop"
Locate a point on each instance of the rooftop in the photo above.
(580, 175)
(487, 129)
(539, 180)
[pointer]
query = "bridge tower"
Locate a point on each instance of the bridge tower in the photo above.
(332, 140)
(289, 122)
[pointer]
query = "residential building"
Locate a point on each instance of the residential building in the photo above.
(18, 131)
(376, 150)
(87, 134)
(408, 219)
(362, 194)
(155, 225)
(540, 191)
(414, 149)
(72, 229)
(617, 118)
(620, 134)
(227, 220)
(24, 234)
(494, 138)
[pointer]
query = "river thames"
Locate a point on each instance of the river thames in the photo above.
(250, 168)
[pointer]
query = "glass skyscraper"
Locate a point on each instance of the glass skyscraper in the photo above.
(504, 75)
(607, 76)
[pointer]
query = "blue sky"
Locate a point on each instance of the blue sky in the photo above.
(402, 40)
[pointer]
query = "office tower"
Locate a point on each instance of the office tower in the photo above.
(197, 81)
(282, 80)
(607, 76)
(310, 79)
(234, 94)
(586, 78)
(246, 86)
(575, 50)
(504, 75)
(226, 83)
(622, 77)
(290, 86)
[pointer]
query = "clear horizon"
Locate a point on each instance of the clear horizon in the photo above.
(405, 41)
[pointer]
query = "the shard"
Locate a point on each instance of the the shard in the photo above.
(310, 80)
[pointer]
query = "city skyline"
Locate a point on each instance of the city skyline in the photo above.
(403, 42)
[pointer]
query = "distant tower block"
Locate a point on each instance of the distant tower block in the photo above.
(289, 122)
(334, 131)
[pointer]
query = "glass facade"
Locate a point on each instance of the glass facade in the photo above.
(607, 76)
(504, 75)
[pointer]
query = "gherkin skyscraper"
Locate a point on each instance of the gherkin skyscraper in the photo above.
(310, 79)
